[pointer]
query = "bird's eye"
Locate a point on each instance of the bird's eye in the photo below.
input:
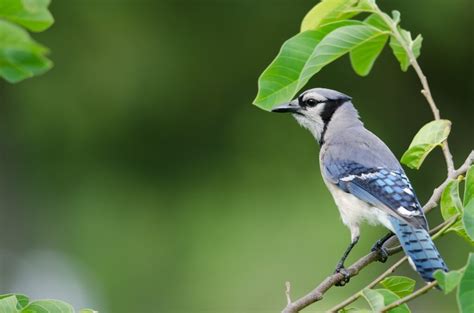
(310, 102)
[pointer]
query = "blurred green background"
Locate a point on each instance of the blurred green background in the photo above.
(137, 176)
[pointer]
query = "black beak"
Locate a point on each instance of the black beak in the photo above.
(289, 107)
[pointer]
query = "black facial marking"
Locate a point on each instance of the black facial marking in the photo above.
(300, 100)
(329, 108)
(308, 103)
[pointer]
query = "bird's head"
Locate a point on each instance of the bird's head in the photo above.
(314, 108)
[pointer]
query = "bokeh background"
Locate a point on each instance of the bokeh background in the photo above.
(136, 176)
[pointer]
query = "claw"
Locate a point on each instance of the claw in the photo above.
(345, 273)
(377, 245)
(383, 253)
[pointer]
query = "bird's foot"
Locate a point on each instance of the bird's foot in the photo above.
(342, 270)
(378, 244)
(383, 253)
(378, 247)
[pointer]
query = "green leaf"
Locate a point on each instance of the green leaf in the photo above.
(9, 304)
(468, 219)
(20, 56)
(279, 82)
(32, 14)
(400, 53)
(400, 285)
(22, 300)
(450, 200)
(376, 21)
(390, 297)
(469, 186)
(448, 281)
(459, 229)
(450, 206)
(379, 298)
(88, 311)
(337, 43)
(465, 293)
(328, 11)
(364, 56)
(427, 138)
(48, 306)
(374, 298)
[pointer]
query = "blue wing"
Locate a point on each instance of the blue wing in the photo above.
(381, 187)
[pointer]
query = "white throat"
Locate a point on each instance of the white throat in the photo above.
(312, 121)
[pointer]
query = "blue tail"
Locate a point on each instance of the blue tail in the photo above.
(419, 247)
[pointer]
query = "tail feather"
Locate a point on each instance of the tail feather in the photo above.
(420, 249)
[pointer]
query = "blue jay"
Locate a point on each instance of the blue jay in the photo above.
(365, 179)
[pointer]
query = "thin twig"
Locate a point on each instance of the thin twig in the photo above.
(317, 293)
(448, 157)
(287, 292)
(410, 297)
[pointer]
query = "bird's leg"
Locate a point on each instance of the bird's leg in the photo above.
(378, 247)
(340, 265)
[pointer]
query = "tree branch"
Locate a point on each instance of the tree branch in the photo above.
(318, 293)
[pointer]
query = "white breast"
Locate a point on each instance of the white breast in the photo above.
(354, 211)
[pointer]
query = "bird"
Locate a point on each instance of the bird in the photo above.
(366, 181)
